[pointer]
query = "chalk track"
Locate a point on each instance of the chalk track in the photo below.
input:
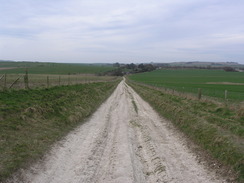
(125, 141)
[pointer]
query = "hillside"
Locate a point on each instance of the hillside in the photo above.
(206, 64)
(12, 67)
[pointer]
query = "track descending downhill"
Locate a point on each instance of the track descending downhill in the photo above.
(125, 141)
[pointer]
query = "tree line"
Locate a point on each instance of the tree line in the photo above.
(123, 69)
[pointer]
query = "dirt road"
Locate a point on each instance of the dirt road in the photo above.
(124, 141)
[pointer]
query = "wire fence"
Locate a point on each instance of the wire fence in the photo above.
(200, 93)
(32, 81)
(223, 94)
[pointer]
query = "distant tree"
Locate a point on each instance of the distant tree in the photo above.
(141, 67)
(229, 69)
(131, 66)
(209, 67)
(116, 64)
(149, 67)
(117, 72)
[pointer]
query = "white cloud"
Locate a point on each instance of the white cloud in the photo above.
(94, 30)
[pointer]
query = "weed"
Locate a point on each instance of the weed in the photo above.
(135, 124)
(135, 106)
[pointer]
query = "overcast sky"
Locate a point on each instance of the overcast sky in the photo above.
(122, 30)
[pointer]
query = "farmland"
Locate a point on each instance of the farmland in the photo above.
(52, 68)
(61, 96)
(216, 128)
(32, 120)
(13, 75)
(212, 82)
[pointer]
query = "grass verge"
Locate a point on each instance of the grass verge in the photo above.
(32, 120)
(216, 129)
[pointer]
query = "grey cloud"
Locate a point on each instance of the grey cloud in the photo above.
(110, 30)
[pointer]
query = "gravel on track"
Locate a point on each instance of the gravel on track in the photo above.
(124, 141)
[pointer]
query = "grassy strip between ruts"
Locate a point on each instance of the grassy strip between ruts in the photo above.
(217, 129)
(32, 120)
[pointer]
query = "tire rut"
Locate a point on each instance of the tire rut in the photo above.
(125, 141)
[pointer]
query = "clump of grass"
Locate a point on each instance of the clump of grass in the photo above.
(217, 129)
(135, 106)
(135, 124)
(32, 120)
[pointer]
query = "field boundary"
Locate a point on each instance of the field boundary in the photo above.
(214, 84)
(33, 81)
(194, 96)
(32, 120)
(215, 128)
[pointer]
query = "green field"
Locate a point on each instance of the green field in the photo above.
(212, 82)
(52, 68)
(41, 75)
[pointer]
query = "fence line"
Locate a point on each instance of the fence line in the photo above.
(197, 93)
(1, 77)
(31, 81)
(14, 82)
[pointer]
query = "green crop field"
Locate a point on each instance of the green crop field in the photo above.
(52, 68)
(12, 74)
(212, 82)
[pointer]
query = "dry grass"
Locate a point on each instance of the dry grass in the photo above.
(217, 129)
(31, 120)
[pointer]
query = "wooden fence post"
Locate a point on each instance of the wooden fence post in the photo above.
(5, 82)
(26, 79)
(59, 80)
(47, 81)
(2, 77)
(199, 93)
(226, 94)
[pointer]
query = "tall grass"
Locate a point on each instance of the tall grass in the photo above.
(31, 120)
(216, 128)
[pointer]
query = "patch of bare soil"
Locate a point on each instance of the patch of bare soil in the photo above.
(125, 141)
(8, 68)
